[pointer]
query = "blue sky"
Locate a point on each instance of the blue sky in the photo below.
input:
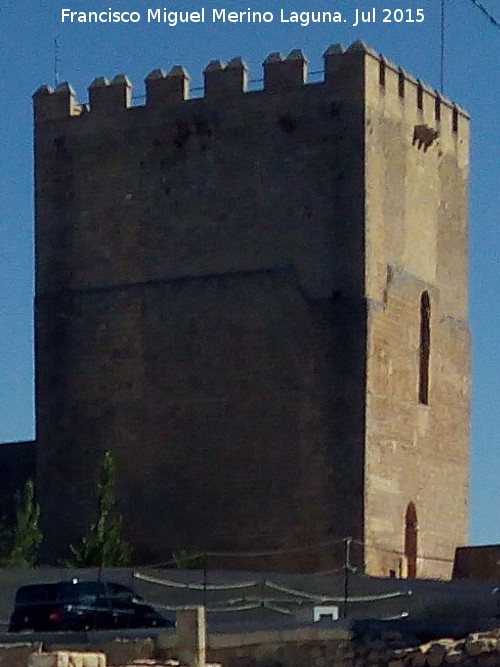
(472, 78)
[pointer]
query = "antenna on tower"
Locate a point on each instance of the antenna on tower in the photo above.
(56, 60)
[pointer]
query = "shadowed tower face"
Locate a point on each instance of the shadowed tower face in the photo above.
(258, 301)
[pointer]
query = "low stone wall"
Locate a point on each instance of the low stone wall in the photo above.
(17, 655)
(303, 647)
(297, 648)
(118, 651)
(312, 647)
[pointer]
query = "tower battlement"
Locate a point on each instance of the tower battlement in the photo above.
(395, 89)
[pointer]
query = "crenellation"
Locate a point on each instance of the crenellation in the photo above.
(50, 104)
(424, 103)
(442, 119)
(285, 73)
(332, 59)
(343, 67)
(99, 82)
(427, 89)
(163, 88)
(409, 77)
(226, 80)
(359, 46)
(400, 94)
(405, 98)
(335, 50)
(110, 96)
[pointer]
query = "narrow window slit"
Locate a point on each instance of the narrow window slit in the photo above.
(401, 84)
(437, 108)
(381, 72)
(420, 97)
(425, 349)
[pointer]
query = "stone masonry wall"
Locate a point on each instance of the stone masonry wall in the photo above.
(321, 649)
(228, 295)
(417, 454)
(197, 274)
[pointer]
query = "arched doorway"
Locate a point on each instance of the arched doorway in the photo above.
(411, 528)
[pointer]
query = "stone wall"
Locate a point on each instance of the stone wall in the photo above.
(198, 272)
(480, 562)
(417, 449)
(293, 648)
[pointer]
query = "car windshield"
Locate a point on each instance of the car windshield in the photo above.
(66, 592)
(85, 592)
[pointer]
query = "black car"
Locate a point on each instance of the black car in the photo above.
(81, 605)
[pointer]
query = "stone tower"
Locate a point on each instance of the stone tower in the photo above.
(258, 301)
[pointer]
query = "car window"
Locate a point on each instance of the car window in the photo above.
(86, 592)
(117, 591)
(37, 594)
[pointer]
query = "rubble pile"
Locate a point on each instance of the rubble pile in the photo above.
(391, 650)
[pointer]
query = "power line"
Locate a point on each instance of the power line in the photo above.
(252, 554)
(481, 8)
(272, 552)
(442, 49)
(486, 12)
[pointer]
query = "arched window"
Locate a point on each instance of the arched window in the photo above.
(425, 349)
(411, 528)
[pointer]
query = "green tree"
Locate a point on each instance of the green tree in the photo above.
(19, 546)
(104, 545)
(5, 540)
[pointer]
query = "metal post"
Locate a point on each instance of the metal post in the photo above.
(205, 576)
(347, 567)
(56, 61)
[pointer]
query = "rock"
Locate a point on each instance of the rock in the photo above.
(454, 657)
(375, 645)
(373, 657)
(392, 636)
(476, 645)
(434, 660)
(67, 659)
(418, 659)
(488, 660)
